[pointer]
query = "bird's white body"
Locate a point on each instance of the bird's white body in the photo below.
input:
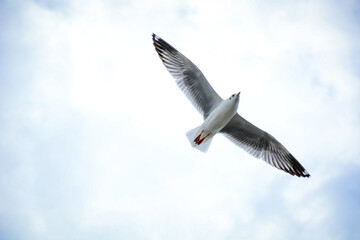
(201, 136)
(221, 115)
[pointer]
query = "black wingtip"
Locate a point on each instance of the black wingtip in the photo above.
(156, 38)
(296, 168)
(161, 45)
(303, 173)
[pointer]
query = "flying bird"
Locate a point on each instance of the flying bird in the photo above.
(220, 116)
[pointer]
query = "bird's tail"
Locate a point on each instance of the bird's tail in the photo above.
(199, 139)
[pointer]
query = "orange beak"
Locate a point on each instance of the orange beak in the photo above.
(238, 94)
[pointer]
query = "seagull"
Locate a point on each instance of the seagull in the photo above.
(220, 116)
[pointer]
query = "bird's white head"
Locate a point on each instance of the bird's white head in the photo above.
(234, 99)
(235, 96)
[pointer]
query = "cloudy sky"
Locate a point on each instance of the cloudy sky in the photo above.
(92, 126)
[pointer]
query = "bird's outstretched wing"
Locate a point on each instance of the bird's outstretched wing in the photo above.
(262, 145)
(188, 77)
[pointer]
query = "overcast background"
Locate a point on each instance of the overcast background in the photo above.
(92, 126)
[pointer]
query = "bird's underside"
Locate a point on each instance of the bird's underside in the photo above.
(197, 89)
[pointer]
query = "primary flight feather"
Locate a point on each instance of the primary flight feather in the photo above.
(220, 116)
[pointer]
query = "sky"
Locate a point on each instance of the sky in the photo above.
(92, 126)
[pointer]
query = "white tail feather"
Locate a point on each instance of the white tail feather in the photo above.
(194, 133)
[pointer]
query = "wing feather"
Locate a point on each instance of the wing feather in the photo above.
(262, 145)
(188, 77)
